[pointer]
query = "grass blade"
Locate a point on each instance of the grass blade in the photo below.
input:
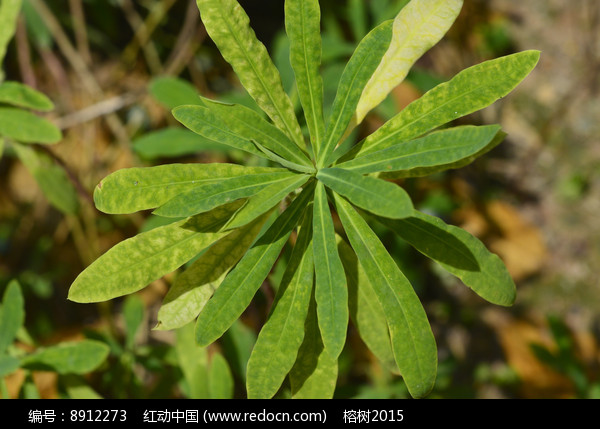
(375, 195)
(413, 342)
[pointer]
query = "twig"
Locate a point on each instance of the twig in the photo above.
(97, 110)
(24, 54)
(189, 39)
(79, 66)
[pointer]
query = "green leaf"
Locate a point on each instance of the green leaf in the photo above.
(220, 379)
(133, 189)
(228, 26)
(469, 91)
(193, 362)
(192, 289)
(174, 142)
(79, 357)
(133, 314)
(314, 374)
(134, 263)
(375, 195)
(438, 151)
(357, 73)
(265, 200)
(331, 292)
(284, 162)
(459, 253)
(210, 195)
(77, 388)
(206, 123)
(237, 345)
(280, 338)
(302, 24)
(26, 127)
(366, 311)
(238, 288)
(9, 12)
(419, 26)
(413, 342)
(8, 365)
(20, 95)
(12, 314)
(173, 92)
(251, 125)
(51, 178)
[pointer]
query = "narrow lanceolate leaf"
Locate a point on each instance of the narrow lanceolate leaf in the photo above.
(251, 125)
(235, 293)
(413, 342)
(314, 374)
(192, 289)
(133, 189)
(9, 11)
(438, 151)
(366, 311)
(229, 27)
(26, 127)
(302, 24)
(357, 73)
(265, 200)
(134, 263)
(210, 195)
(331, 292)
(20, 95)
(12, 314)
(280, 338)
(79, 357)
(207, 124)
(469, 91)
(418, 26)
(459, 253)
(374, 195)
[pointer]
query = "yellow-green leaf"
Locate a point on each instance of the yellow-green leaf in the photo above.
(418, 26)
(134, 263)
(229, 27)
(17, 94)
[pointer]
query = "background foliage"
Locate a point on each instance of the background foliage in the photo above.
(533, 200)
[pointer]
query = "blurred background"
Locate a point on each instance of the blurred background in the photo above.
(534, 200)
